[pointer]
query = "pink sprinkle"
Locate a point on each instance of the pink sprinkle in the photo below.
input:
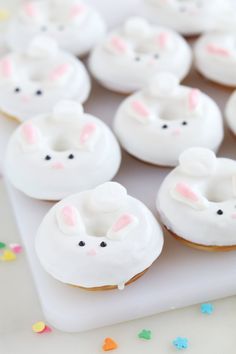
(87, 131)
(6, 67)
(162, 39)
(47, 329)
(77, 10)
(15, 247)
(186, 192)
(140, 108)
(193, 99)
(214, 49)
(118, 44)
(60, 71)
(122, 222)
(69, 215)
(30, 9)
(29, 133)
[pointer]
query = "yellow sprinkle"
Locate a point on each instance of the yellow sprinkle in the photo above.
(38, 327)
(8, 256)
(4, 15)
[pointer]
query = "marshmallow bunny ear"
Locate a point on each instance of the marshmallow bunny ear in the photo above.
(6, 68)
(199, 162)
(122, 227)
(137, 27)
(69, 220)
(139, 111)
(117, 45)
(59, 75)
(107, 197)
(30, 136)
(217, 50)
(67, 110)
(88, 136)
(34, 11)
(163, 85)
(42, 47)
(78, 12)
(164, 40)
(194, 101)
(183, 193)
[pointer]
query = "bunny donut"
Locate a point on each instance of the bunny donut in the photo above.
(129, 56)
(215, 57)
(189, 17)
(158, 123)
(60, 153)
(74, 25)
(99, 239)
(31, 82)
(230, 112)
(197, 200)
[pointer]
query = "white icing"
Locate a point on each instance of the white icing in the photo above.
(75, 25)
(91, 265)
(158, 123)
(230, 112)
(189, 17)
(96, 154)
(215, 57)
(136, 51)
(43, 67)
(189, 203)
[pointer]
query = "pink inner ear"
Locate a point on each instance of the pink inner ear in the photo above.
(77, 10)
(87, 131)
(122, 222)
(118, 44)
(29, 133)
(140, 108)
(30, 9)
(69, 215)
(186, 192)
(59, 72)
(6, 66)
(214, 49)
(193, 99)
(162, 39)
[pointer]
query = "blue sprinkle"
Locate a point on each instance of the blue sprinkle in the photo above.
(181, 343)
(207, 309)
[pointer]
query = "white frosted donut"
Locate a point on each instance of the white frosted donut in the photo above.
(64, 152)
(230, 112)
(189, 17)
(75, 25)
(197, 200)
(158, 123)
(101, 237)
(130, 55)
(31, 82)
(215, 57)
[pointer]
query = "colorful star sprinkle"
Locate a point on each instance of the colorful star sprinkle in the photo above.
(109, 344)
(40, 327)
(207, 309)
(8, 256)
(181, 343)
(145, 334)
(15, 247)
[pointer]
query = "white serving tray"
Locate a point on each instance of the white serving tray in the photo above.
(180, 277)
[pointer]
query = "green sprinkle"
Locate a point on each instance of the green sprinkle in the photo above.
(145, 334)
(2, 245)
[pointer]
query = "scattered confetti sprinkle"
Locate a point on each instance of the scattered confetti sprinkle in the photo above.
(207, 309)
(8, 256)
(109, 344)
(145, 334)
(15, 247)
(2, 245)
(181, 343)
(4, 15)
(38, 327)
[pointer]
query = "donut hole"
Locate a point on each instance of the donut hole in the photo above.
(96, 228)
(60, 145)
(220, 190)
(170, 113)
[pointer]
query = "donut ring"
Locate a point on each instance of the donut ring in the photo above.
(74, 25)
(98, 239)
(197, 200)
(130, 55)
(54, 155)
(32, 82)
(158, 123)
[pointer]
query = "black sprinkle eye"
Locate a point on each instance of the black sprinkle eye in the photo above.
(220, 212)
(38, 93)
(165, 126)
(184, 123)
(156, 56)
(137, 58)
(81, 243)
(47, 157)
(43, 28)
(71, 156)
(17, 89)
(103, 244)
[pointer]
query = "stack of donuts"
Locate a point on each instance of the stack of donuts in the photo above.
(96, 236)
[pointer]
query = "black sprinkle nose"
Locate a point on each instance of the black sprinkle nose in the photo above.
(184, 123)
(38, 92)
(61, 28)
(47, 157)
(220, 212)
(165, 126)
(71, 156)
(156, 56)
(137, 59)
(43, 28)
(17, 89)
(103, 244)
(81, 243)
